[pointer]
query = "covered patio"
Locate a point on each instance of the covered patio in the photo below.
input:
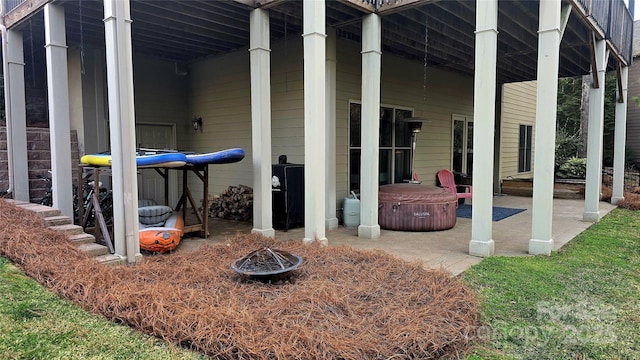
(339, 51)
(447, 249)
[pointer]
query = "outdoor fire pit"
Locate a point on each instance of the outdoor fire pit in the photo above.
(267, 264)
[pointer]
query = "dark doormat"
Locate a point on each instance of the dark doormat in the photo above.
(499, 213)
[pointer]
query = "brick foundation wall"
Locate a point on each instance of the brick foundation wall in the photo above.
(39, 160)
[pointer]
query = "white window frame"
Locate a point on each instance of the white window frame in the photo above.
(528, 149)
(391, 148)
(466, 119)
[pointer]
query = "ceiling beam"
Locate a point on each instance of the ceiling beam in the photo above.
(263, 4)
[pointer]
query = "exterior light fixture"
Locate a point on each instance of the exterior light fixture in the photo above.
(197, 124)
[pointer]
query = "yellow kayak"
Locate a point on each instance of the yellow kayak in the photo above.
(154, 160)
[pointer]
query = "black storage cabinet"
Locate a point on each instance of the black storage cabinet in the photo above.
(287, 188)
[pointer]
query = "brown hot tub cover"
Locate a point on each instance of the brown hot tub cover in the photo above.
(415, 207)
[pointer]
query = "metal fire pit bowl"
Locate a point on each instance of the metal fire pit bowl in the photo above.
(266, 264)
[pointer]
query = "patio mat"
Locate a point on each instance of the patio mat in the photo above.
(499, 213)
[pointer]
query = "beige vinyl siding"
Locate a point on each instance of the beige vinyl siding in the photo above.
(160, 94)
(518, 108)
(219, 92)
(402, 85)
(633, 113)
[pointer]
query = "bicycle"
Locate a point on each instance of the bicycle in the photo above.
(88, 189)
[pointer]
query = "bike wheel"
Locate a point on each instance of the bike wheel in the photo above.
(47, 200)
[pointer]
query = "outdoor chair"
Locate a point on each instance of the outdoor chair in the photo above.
(448, 182)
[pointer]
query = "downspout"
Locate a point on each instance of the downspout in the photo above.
(7, 98)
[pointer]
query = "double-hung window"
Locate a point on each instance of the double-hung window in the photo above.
(524, 148)
(394, 142)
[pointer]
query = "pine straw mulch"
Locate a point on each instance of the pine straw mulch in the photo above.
(631, 199)
(340, 304)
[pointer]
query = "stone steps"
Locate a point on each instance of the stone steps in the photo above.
(57, 220)
(54, 220)
(83, 238)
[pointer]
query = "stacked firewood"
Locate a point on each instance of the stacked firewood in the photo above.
(235, 203)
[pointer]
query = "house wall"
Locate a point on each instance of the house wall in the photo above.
(161, 95)
(633, 114)
(160, 98)
(518, 108)
(436, 97)
(220, 93)
(94, 129)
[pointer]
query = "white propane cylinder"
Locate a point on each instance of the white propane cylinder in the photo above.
(351, 212)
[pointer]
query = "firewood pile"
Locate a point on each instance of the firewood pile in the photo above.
(235, 203)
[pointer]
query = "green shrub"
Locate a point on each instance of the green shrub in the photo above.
(574, 168)
(568, 146)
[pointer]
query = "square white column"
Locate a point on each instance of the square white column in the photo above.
(549, 36)
(484, 100)
(16, 115)
(331, 220)
(370, 130)
(122, 128)
(594, 137)
(314, 38)
(260, 58)
(58, 98)
(620, 137)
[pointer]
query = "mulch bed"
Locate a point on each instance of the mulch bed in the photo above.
(341, 303)
(631, 199)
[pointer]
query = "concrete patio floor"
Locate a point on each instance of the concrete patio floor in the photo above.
(448, 249)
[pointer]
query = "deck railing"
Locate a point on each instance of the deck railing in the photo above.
(614, 19)
(11, 4)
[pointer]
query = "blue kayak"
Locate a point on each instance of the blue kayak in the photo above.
(227, 156)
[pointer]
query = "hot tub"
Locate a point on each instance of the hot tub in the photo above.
(415, 207)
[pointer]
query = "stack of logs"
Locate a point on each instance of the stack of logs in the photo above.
(235, 203)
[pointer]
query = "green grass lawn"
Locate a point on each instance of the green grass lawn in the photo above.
(36, 324)
(580, 303)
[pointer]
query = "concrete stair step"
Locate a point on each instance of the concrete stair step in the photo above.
(57, 220)
(83, 238)
(111, 259)
(41, 210)
(84, 242)
(93, 249)
(16, 202)
(69, 229)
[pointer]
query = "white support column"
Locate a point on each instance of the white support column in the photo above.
(58, 97)
(314, 38)
(122, 127)
(331, 220)
(484, 100)
(16, 115)
(259, 53)
(370, 154)
(620, 138)
(549, 36)
(594, 137)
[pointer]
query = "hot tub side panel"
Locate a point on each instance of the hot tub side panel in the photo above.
(416, 208)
